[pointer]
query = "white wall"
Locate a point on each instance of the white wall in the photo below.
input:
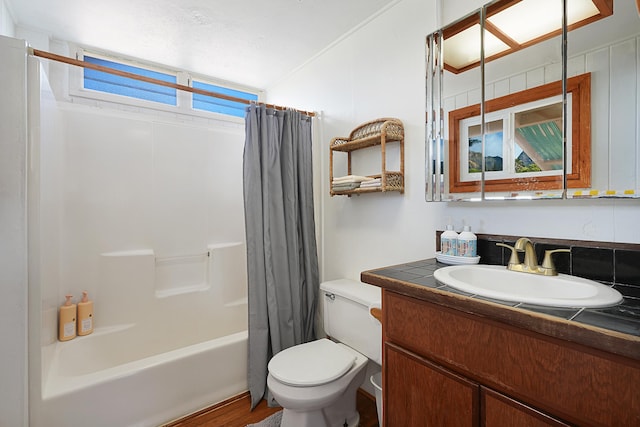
(13, 233)
(378, 71)
(7, 26)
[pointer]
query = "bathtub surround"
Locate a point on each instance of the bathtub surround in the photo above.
(282, 263)
(128, 206)
(160, 247)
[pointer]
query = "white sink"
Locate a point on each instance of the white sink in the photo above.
(497, 282)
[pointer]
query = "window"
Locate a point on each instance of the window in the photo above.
(111, 83)
(219, 105)
(141, 92)
(525, 140)
(523, 148)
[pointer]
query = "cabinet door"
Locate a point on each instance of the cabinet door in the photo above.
(498, 410)
(420, 393)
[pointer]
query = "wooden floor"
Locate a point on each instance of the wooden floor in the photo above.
(236, 412)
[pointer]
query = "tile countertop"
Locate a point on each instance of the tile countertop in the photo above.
(612, 329)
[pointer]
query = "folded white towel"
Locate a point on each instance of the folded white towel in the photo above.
(350, 178)
(345, 186)
(371, 184)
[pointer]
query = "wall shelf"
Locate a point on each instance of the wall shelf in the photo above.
(370, 134)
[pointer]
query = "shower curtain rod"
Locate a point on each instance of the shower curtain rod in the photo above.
(84, 64)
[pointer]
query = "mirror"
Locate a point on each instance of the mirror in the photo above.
(495, 116)
(523, 144)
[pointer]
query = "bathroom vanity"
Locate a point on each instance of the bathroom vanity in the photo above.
(454, 359)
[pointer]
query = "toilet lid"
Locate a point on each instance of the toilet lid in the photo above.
(314, 363)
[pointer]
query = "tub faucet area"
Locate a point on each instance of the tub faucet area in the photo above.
(530, 263)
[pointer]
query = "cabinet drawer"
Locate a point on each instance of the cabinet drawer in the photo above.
(574, 383)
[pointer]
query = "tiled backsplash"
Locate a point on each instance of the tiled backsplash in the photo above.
(612, 263)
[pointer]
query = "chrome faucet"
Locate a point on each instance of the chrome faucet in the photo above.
(530, 264)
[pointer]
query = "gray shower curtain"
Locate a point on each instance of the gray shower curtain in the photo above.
(282, 262)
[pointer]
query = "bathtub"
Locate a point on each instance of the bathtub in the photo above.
(158, 247)
(170, 339)
(102, 380)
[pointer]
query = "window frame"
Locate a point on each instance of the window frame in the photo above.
(184, 99)
(507, 116)
(208, 82)
(171, 74)
(578, 174)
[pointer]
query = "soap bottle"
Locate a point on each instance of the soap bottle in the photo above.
(449, 241)
(67, 320)
(467, 243)
(85, 315)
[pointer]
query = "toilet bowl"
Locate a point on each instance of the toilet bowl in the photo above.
(327, 399)
(316, 382)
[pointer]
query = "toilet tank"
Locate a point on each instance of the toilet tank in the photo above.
(347, 319)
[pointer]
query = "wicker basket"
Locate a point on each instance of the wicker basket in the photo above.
(390, 129)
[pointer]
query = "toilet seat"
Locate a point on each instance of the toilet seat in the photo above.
(311, 364)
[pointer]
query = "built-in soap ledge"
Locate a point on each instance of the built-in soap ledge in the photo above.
(187, 273)
(105, 330)
(181, 274)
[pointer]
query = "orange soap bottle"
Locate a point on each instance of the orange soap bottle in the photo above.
(85, 315)
(67, 320)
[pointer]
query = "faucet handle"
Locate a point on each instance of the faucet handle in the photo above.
(513, 259)
(547, 264)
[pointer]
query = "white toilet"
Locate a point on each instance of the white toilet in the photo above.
(316, 382)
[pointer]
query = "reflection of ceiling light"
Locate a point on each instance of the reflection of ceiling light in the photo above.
(512, 25)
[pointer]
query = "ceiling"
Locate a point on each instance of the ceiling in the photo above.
(250, 42)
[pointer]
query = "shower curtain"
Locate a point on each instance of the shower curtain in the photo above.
(282, 262)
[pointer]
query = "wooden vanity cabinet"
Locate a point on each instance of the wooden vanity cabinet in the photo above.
(445, 367)
(421, 393)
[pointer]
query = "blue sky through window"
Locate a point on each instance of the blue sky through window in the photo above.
(111, 83)
(218, 105)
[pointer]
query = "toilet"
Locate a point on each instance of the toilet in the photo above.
(316, 382)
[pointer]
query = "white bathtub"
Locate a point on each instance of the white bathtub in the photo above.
(161, 348)
(98, 380)
(160, 250)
